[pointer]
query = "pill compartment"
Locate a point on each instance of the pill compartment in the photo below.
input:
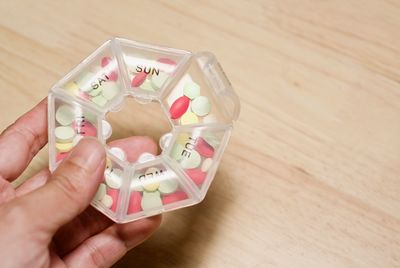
(150, 69)
(194, 96)
(69, 121)
(203, 95)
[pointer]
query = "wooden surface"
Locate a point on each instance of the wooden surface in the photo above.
(311, 175)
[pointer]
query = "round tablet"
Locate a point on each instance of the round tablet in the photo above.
(64, 134)
(64, 147)
(109, 90)
(118, 152)
(151, 200)
(101, 192)
(99, 100)
(189, 118)
(157, 81)
(107, 201)
(191, 90)
(205, 166)
(106, 129)
(168, 186)
(114, 178)
(72, 88)
(65, 115)
(201, 106)
(193, 161)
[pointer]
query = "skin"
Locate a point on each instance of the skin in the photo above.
(46, 222)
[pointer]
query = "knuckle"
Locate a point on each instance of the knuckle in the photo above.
(68, 188)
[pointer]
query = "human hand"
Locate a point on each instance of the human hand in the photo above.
(46, 222)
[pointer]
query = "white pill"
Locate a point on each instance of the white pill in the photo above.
(85, 81)
(168, 186)
(65, 115)
(205, 166)
(147, 85)
(136, 185)
(106, 129)
(201, 106)
(107, 201)
(191, 160)
(145, 157)
(114, 178)
(157, 81)
(101, 192)
(151, 200)
(64, 134)
(118, 152)
(110, 89)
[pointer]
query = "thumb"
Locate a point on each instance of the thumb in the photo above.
(70, 189)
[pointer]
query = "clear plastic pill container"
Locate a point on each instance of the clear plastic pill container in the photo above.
(195, 96)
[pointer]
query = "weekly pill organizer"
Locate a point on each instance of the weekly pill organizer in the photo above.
(194, 94)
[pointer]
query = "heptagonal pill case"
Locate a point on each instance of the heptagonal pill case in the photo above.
(195, 96)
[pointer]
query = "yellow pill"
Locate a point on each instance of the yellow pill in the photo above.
(189, 118)
(152, 179)
(72, 88)
(182, 139)
(64, 147)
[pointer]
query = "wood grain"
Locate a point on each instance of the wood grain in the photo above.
(311, 175)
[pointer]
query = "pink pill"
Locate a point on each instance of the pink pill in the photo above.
(175, 197)
(134, 203)
(84, 128)
(203, 148)
(179, 107)
(114, 195)
(138, 79)
(196, 175)
(105, 61)
(84, 96)
(167, 61)
(111, 74)
(61, 156)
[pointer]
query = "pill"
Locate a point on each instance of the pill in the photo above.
(145, 157)
(138, 79)
(210, 118)
(151, 200)
(168, 186)
(136, 185)
(111, 73)
(191, 160)
(61, 156)
(109, 90)
(113, 193)
(196, 175)
(72, 88)
(167, 65)
(64, 147)
(157, 81)
(147, 85)
(135, 201)
(99, 100)
(85, 81)
(191, 90)
(114, 178)
(151, 180)
(84, 96)
(189, 118)
(64, 133)
(84, 128)
(101, 192)
(106, 129)
(176, 152)
(201, 106)
(205, 166)
(183, 138)
(95, 92)
(212, 139)
(118, 152)
(107, 201)
(175, 197)
(179, 107)
(65, 115)
(203, 148)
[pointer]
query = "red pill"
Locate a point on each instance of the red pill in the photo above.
(138, 79)
(179, 107)
(114, 195)
(204, 148)
(175, 197)
(105, 61)
(135, 203)
(196, 175)
(84, 128)
(167, 61)
(111, 75)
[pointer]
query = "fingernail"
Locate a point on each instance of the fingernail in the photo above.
(88, 152)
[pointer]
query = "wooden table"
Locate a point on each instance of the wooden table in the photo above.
(311, 177)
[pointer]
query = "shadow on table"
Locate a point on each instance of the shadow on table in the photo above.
(185, 234)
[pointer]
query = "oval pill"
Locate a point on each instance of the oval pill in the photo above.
(64, 133)
(175, 197)
(189, 118)
(191, 90)
(138, 79)
(179, 107)
(196, 175)
(205, 166)
(65, 115)
(201, 106)
(204, 148)
(114, 178)
(192, 161)
(168, 186)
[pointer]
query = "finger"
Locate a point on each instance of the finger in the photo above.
(135, 146)
(70, 189)
(107, 247)
(91, 221)
(21, 141)
(37, 181)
